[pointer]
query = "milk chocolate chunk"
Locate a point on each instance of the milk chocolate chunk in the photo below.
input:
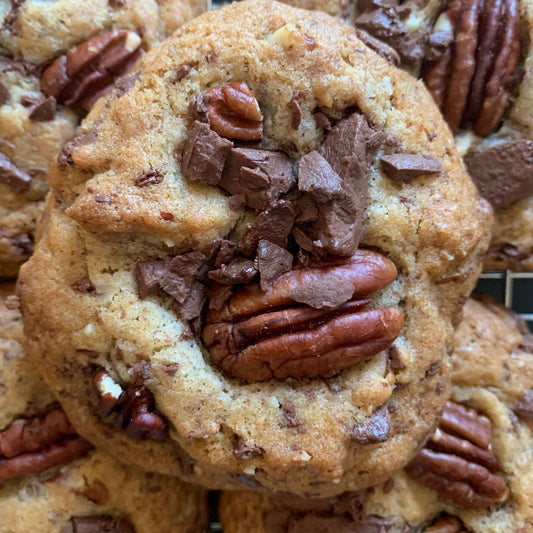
(44, 111)
(147, 275)
(405, 167)
(180, 275)
(193, 303)
(504, 173)
(12, 176)
(261, 175)
(316, 177)
(152, 177)
(375, 430)
(240, 270)
(242, 450)
(272, 261)
(349, 149)
(328, 292)
(384, 50)
(524, 407)
(4, 94)
(204, 155)
(100, 524)
(80, 138)
(227, 251)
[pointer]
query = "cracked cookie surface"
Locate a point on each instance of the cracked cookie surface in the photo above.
(89, 491)
(127, 236)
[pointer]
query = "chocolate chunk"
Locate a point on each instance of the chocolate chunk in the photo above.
(307, 209)
(316, 177)
(84, 286)
(294, 108)
(218, 294)
(524, 407)
(152, 177)
(274, 224)
(148, 274)
(328, 292)
(191, 308)
(12, 176)
(261, 175)
(4, 94)
(29, 100)
(182, 71)
(178, 280)
(375, 429)
(322, 121)
(405, 167)
(126, 82)
(240, 270)
(384, 50)
(44, 111)
(504, 173)
(237, 201)
(204, 155)
(395, 359)
(80, 138)
(242, 451)
(227, 251)
(272, 261)
(349, 148)
(303, 240)
(289, 412)
(438, 43)
(433, 369)
(100, 524)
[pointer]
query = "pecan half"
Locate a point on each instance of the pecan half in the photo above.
(233, 112)
(448, 524)
(472, 79)
(33, 445)
(130, 409)
(89, 70)
(457, 461)
(259, 335)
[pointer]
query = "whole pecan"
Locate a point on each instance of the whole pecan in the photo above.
(233, 112)
(471, 80)
(131, 409)
(89, 70)
(259, 334)
(457, 461)
(29, 446)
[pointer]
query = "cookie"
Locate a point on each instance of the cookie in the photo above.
(492, 393)
(482, 82)
(274, 167)
(52, 480)
(39, 108)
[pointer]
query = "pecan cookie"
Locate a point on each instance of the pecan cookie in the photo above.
(50, 74)
(52, 480)
(474, 474)
(250, 262)
(474, 57)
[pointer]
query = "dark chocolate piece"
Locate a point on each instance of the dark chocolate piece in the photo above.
(44, 111)
(240, 270)
(384, 50)
(12, 176)
(316, 177)
(375, 430)
(405, 167)
(147, 275)
(180, 275)
(272, 261)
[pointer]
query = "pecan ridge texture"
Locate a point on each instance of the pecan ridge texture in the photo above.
(258, 335)
(457, 461)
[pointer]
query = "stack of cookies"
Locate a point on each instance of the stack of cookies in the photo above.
(252, 265)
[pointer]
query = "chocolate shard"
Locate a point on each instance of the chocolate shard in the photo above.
(178, 280)
(100, 524)
(12, 176)
(405, 167)
(272, 261)
(227, 251)
(503, 174)
(80, 138)
(349, 148)
(384, 50)
(44, 111)
(151, 177)
(375, 430)
(4, 94)
(242, 450)
(204, 155)
(316, 177)
(524, 408)
(307, 209)
(328, 292)
(261, 175)
(147, 275)
(192, 307)
(240, 270)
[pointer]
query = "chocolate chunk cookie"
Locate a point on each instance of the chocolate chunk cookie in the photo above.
(474, 57)
(55, 60)
(478, 462)
(250, 262)
(52, 480)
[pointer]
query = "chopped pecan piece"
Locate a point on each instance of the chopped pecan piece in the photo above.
(457, 461)
(89, 70)
(233, 112)
(472, 78)
(130, 409)
(449, 524)
(33, 445)
(259, 335)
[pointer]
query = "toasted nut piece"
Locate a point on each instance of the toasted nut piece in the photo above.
(449, 524)
(108, 390)
(233, 112)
